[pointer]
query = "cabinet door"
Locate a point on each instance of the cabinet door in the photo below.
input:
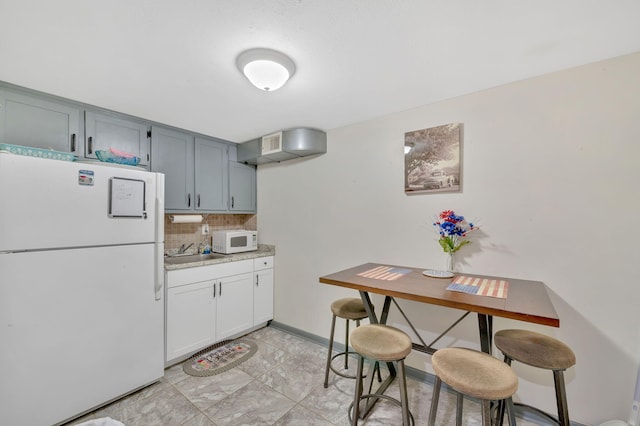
(211, 171)
(190, 318)
(103, 132)
(263, 296)
(31, 121)
(242, 187)
(172, 154)
(234, 312)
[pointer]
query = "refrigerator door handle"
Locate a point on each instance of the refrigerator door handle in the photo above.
(159, 270)
(159, 236)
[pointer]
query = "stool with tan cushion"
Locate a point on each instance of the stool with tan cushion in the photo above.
(475, 374)
(381, 343)
(541, 351)
(349, 309)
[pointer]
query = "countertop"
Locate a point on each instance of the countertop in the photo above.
(263, 250)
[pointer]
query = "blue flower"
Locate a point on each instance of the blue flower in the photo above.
(452, 229)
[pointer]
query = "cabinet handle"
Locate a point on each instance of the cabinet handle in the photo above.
(232, 201)
(220, 289)
(189, 200)
(214, 290)
(198, 198)
(257, 280)
(90, 145)
(73, 142)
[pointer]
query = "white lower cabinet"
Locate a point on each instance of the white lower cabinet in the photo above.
(190, 318)
(263, 290)
(235, 305)
(207, 304)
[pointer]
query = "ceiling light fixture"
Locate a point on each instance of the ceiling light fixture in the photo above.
(266, 69)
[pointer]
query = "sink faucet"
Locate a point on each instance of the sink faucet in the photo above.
(182, 248)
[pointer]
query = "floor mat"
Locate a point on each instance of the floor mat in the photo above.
(221, 357)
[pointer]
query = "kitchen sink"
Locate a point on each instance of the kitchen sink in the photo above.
(189, 258)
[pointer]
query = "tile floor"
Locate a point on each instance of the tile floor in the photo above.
(282, 384)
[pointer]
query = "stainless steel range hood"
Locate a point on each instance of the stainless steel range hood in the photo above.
(283, 146)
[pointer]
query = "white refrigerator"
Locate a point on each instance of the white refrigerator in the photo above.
(81, 282)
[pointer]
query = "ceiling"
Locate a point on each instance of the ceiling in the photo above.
(173, 61)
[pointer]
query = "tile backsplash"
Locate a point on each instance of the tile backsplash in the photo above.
(176, 234)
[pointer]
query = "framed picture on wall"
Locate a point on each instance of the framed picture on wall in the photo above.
(432, 161)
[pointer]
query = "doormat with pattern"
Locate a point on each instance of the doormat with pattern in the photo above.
(220, 357)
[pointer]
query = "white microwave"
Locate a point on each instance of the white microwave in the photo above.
(234, 241)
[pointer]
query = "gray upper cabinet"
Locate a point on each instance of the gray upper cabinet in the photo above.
(39, 122)
(201, 173)
(242, 188)
(103, 132)
(172, 154)
(196, 171)
(211, 175)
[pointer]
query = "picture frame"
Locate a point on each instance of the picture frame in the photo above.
(432, 159)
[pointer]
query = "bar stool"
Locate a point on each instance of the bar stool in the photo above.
(350, 309)
(477, 375)
(541, 351)
(381, 343)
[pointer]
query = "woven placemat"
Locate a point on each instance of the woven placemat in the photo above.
(220, 357)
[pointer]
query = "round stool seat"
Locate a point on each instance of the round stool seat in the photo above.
(474, 373)
(381, 342)
(349, 308)
(535, 349)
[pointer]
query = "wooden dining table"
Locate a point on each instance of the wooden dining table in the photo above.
(525, 300)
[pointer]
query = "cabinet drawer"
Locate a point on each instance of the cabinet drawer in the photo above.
(263, 263)
(210, 272)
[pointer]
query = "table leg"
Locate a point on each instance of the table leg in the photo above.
(385, 310)
(485, 327)
(368, 306)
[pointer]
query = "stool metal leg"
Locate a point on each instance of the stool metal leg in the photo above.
(434, 401)
(371, 372)
(500, 416)
(561, 398)
(357, 393)
(486, 412)
(511, 412)
(459, 401)
(346, 345)
(326, 372)
(403, 393)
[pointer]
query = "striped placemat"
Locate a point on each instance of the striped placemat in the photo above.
(480, 286)
(387, 273)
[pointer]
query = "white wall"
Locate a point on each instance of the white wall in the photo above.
(550, 172)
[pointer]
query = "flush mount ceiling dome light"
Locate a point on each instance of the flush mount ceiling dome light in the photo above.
(266, 69)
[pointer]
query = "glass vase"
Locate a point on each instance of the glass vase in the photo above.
(449, 262)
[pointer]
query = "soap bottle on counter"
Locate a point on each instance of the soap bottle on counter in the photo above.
(204, 248)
